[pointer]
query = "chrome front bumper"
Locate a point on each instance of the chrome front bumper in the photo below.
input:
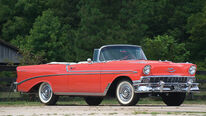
(162, 86)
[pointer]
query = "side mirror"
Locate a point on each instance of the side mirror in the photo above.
(89, 60)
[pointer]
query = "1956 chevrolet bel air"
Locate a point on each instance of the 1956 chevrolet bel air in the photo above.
(121, 71)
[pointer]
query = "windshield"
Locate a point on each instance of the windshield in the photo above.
(121, 53)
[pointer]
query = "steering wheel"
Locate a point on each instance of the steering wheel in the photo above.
(127, 57)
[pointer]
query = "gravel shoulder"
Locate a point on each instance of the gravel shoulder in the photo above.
(116, 110)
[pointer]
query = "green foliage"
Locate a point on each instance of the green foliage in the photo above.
(197, 29)
(201, 65)
(165, 48)
(47, 37)
(16, 26)
(7, 74)
(69, 30)
(200, 77)
(28, 58)
(96, 29)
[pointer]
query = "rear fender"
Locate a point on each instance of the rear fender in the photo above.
(35, 86)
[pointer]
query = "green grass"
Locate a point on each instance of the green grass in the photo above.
(113, 113)
(80, 101)
(25, 100)
(201, 77)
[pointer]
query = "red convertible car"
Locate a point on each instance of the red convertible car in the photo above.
(121, 71)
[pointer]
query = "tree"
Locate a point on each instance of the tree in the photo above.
(6, 11)
(21, 15)
(96, 28)
(17, 26)
(197, 28)
(47, 38)
(79, 26)
(165, 48)
(66, 10)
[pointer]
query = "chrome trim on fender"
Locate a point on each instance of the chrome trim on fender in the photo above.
(126, 72)
(67, 68)
(100, 70)
(106, 89)
(79, 94)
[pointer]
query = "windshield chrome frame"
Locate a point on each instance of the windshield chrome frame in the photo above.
(100, 49)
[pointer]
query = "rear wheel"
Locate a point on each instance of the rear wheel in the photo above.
(173, 99)
(125, 93)
(46, 95)
(93, 101)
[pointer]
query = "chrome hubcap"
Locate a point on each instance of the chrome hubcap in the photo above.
(125, 92)
(46, 92)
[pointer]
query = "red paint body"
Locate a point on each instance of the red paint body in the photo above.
(91, 77)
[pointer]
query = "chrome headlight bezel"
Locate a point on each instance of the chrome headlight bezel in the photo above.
(192, 70)
(147, 69)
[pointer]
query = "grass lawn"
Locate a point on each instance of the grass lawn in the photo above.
(17, 99)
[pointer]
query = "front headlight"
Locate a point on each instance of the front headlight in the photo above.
(147, 69)
(192, 69)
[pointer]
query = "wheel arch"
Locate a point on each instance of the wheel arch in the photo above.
(36, 86)
(113, 86)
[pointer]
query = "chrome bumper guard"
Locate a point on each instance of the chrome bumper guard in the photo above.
(162, 86)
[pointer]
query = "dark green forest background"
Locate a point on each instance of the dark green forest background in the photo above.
(69, 30)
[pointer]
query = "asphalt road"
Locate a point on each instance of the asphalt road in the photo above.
(112, 110)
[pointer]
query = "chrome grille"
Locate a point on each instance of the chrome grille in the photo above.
(168, 79)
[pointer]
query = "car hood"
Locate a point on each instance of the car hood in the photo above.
(166, 67)
(158, 67)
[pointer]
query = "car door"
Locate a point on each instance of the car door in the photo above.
(84, 78)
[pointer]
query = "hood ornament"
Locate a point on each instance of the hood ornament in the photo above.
(171, 70)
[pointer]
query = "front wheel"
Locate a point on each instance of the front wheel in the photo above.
(173, 99)
(46, 95)
(125, 93)
(93, 101)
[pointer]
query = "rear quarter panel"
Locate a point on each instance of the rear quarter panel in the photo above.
(29, 76)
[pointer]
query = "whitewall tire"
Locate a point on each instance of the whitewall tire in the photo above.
(125, 93)
(46, 95)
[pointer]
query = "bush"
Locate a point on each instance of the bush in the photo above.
(165, 48)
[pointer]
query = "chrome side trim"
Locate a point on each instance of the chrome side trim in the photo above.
(79, 94)
(106, 89)
(70, 74)
(67, 69)
(103, 71)
(84, 94)
(39, 77)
